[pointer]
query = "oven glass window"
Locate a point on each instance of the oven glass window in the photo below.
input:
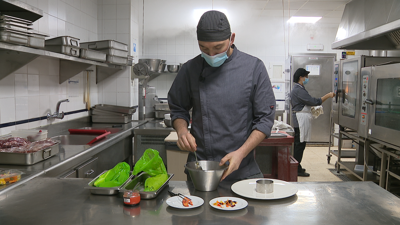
(349, 91)
(387, 110)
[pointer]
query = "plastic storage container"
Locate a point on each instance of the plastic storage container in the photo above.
(9, 176)
(131, 197)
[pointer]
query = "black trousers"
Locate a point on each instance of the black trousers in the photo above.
(298, 148)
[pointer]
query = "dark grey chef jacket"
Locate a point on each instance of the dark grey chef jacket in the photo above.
(228, 102)
(299, 98)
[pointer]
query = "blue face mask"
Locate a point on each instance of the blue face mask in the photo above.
(218, 59)
(306, 81)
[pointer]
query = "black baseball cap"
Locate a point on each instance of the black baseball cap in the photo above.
(300, 72)
(213, 26)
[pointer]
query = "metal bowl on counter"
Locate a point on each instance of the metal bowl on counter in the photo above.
(173, 68)
(207, 178)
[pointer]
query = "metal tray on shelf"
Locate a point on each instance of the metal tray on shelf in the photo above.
(162, 106)
(28, 158)
(63, 40)
(12, 18)
(106, 113)
(137, 183)
(111, 119)
(115, 108)
(117, 60)
(105, 44)
(114, 52)
(14, 26)
(64, 49)
(104, 190)
(36, 41)
(13, 37)
(93, 55)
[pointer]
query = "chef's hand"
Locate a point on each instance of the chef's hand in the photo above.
(329, 95)
(186, 142)
(234, 158)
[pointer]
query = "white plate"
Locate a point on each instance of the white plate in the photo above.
(176, 202)
(247, 188)
(240, 203)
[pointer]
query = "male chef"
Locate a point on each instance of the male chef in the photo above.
(231, 97)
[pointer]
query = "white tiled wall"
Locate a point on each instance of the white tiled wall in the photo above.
(34, 90)
(118, 20)
(170, 32)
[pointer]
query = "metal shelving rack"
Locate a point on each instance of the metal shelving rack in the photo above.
(390, 165)
(348, 134)
(365, 175)
(13, 57)
(343, 153)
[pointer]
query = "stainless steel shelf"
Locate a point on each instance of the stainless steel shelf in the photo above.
(352, 136)
(388, 152)
(344, 153)
(155, 75)
(349, 166)
(394, 175)
(344, 137)
(13, 57)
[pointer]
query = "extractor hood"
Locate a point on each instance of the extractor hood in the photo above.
(369, 25)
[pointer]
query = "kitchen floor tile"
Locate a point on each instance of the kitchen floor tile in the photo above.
(315, 162)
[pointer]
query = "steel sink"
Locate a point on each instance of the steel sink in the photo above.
(74, 139)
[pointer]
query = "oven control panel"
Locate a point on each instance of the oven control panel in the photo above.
(336, 79)
(364, 96)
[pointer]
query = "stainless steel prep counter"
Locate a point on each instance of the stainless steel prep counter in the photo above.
(72, 154)
(65, 201)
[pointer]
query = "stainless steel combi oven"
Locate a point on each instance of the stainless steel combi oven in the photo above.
(383, 103)
(347, 107)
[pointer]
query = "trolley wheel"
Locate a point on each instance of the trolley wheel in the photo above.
(329, 159)
(336, 166)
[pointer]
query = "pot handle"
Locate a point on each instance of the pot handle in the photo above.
(343, 96)
(336, 95)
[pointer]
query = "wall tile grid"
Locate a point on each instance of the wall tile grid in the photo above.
(114, 22)
(34, 90)
(172, 36)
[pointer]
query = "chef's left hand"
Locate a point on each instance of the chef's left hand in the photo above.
(234, 158)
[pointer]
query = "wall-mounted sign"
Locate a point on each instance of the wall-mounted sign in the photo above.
(314, 69)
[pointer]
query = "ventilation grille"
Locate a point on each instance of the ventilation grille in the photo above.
(395, 37)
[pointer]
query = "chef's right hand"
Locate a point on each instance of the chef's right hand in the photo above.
(186, 141)
(331, 94)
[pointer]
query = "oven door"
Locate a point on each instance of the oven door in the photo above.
(384, 112)
(335, 89)
(349, 93)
